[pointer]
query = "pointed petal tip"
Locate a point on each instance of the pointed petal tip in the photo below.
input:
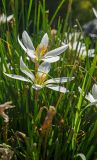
(56, 51)
(24, 32)
(95, 12)
(27, 41)
(17, 77)
(21, 44)
(45, 40)
(51, 59)
(45, 34)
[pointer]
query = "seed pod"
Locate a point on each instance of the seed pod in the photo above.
(48, 119)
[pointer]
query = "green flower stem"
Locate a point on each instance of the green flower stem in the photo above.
(78, 117)
(59, 100)
(36, 92)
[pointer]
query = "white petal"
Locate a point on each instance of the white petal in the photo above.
(89, 97)
(51, 59)
(27, 41)
(94, 91)
(21, 44)
(3, 18)
(17, 77)
(9, 18)
(91, 53)
(56, 51)
(44, 41)
(78, 46)
(59, 80)
(95, 12)
(93, 35)
(44, 68)
(57, 88)
(36, 86)
(31, 53)
(82, 156)
(26, 70)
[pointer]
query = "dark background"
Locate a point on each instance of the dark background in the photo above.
(80, 9)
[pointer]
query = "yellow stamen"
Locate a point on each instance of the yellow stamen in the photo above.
(40, 79)
(40, 50)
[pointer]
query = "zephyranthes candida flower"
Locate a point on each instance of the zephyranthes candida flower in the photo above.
(40, 53)
(92, 98)
(4, 18)
(39, 80)
(75, 44)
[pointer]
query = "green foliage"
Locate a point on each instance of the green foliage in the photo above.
(73, 129)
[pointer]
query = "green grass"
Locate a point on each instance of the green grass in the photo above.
(74, 128)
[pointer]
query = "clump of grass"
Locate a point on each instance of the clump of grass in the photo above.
(36, 129)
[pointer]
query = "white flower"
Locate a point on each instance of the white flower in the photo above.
(39, 80)
(40, 54)
(4, 18)
(95, 12)
(90, 97)
(74, 36)
(80, 48)
(75, 44)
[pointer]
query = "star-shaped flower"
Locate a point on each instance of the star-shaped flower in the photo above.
(40, 53)
(75, 43)
(4, 18)
(80, 48)
(39, 80)
(91, 97)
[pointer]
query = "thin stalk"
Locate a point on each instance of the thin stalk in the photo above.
(67, 16)
(59, 100)
(29, 10)
(78, 116)
(36, 92)
(38, 18)
(57, 10)
(35, 16)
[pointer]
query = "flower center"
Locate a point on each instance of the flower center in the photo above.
(40, 51)
(40, 78)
